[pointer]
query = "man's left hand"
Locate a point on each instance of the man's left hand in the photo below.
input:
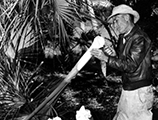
(99, 54)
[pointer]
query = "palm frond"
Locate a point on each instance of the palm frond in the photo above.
(25, 28)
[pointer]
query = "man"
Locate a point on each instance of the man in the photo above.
(132, 58)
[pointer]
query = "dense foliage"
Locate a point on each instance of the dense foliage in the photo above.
(43, 49)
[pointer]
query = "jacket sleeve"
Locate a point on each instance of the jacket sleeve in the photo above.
(133, 58)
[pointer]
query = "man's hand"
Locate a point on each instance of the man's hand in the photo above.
(109, 51)
(99, 54)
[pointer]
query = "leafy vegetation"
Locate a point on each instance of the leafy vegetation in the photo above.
(41, 41)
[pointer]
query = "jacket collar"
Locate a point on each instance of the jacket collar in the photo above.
(134, 29)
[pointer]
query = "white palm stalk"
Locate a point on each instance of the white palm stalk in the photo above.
(97, 43)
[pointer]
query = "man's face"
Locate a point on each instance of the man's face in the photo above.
(119, 24)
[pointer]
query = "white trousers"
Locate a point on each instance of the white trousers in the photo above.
(135, 104)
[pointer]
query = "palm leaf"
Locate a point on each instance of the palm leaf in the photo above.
(23, 26)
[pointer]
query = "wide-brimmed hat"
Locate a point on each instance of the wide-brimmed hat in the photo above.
(124, 9)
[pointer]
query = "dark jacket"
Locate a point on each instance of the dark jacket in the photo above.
(134, 61)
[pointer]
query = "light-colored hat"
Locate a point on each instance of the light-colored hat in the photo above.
(124, 9)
